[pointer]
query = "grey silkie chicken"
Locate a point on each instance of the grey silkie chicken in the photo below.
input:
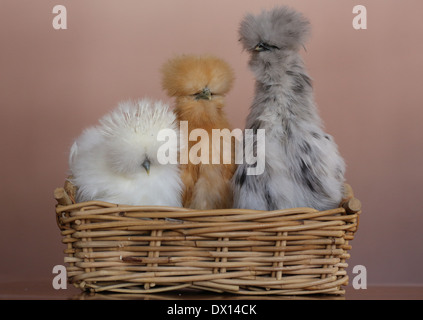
(302, 165)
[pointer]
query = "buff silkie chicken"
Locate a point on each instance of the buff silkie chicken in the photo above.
(302, 165)
(199, 84)
(117, 161)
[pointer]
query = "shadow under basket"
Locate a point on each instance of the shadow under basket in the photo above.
(148, 249)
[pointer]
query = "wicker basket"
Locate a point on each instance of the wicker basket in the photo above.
(140, 249)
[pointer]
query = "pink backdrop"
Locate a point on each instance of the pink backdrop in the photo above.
(53, 83)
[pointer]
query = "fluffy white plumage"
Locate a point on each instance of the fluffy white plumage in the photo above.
(110, 162)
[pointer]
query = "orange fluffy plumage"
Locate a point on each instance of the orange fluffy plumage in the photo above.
(199, 84)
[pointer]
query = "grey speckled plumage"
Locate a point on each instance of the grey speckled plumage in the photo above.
(302, 165)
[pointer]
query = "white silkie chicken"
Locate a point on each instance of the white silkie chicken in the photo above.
(117, 161)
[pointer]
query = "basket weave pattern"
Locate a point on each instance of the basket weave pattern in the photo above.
(140, 249)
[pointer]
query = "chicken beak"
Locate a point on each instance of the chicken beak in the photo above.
(205, 94)
(146, 165)
(261, 47)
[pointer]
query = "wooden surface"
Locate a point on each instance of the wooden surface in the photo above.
(43, 290)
